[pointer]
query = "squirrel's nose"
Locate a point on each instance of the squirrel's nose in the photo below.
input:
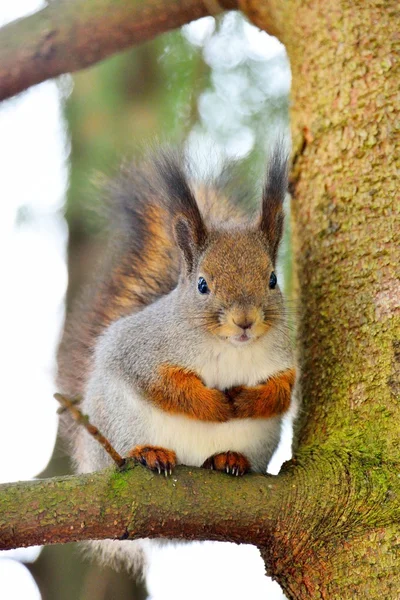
(244, 324)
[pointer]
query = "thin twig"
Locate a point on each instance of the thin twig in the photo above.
(79, 417)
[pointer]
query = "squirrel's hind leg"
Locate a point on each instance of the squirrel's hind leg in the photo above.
(232, 463)
(154, 458)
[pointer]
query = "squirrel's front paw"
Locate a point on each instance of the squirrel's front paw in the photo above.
(263, 401)
(232, 463)
(154, 458)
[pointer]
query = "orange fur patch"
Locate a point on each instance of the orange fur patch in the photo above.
(181, 391)
(267, 400)
(154, 458)
(232, 463)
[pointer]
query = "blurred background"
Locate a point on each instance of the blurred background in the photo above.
(220, 87)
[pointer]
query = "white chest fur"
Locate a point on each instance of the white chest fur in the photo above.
(224, 365)
(195, 441)
(221, 366)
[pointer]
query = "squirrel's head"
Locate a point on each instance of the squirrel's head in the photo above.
(228, 279)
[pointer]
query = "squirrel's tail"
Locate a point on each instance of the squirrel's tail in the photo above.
(141, 263)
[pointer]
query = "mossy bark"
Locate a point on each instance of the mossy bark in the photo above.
(278, 513)
(345, 63)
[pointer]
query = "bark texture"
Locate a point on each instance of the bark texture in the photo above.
(202, 504)
(345, 63)
(69, 35)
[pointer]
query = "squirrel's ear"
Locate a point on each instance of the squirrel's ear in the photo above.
(189, 228)
(272, 215)
(185, 236)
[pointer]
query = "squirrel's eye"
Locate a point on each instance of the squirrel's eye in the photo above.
(202, 286)
(273, 281)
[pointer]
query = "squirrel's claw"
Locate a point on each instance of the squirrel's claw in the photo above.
(232, 463)
(155, 458)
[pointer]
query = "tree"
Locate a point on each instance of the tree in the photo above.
(328, 525)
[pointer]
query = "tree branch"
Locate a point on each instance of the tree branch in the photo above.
(69, 35)
(278, 514)
(131, 503)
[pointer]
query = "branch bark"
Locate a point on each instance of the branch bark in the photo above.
(278, 514)
(69, 35)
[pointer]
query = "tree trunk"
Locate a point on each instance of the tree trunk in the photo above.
(344, 58)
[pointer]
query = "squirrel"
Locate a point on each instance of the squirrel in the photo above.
(181, 350)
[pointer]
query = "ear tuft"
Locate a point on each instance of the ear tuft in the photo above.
(178, 198)
(272, 216)
(185, 239)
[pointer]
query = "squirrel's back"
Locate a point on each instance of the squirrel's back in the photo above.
(141, 262)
